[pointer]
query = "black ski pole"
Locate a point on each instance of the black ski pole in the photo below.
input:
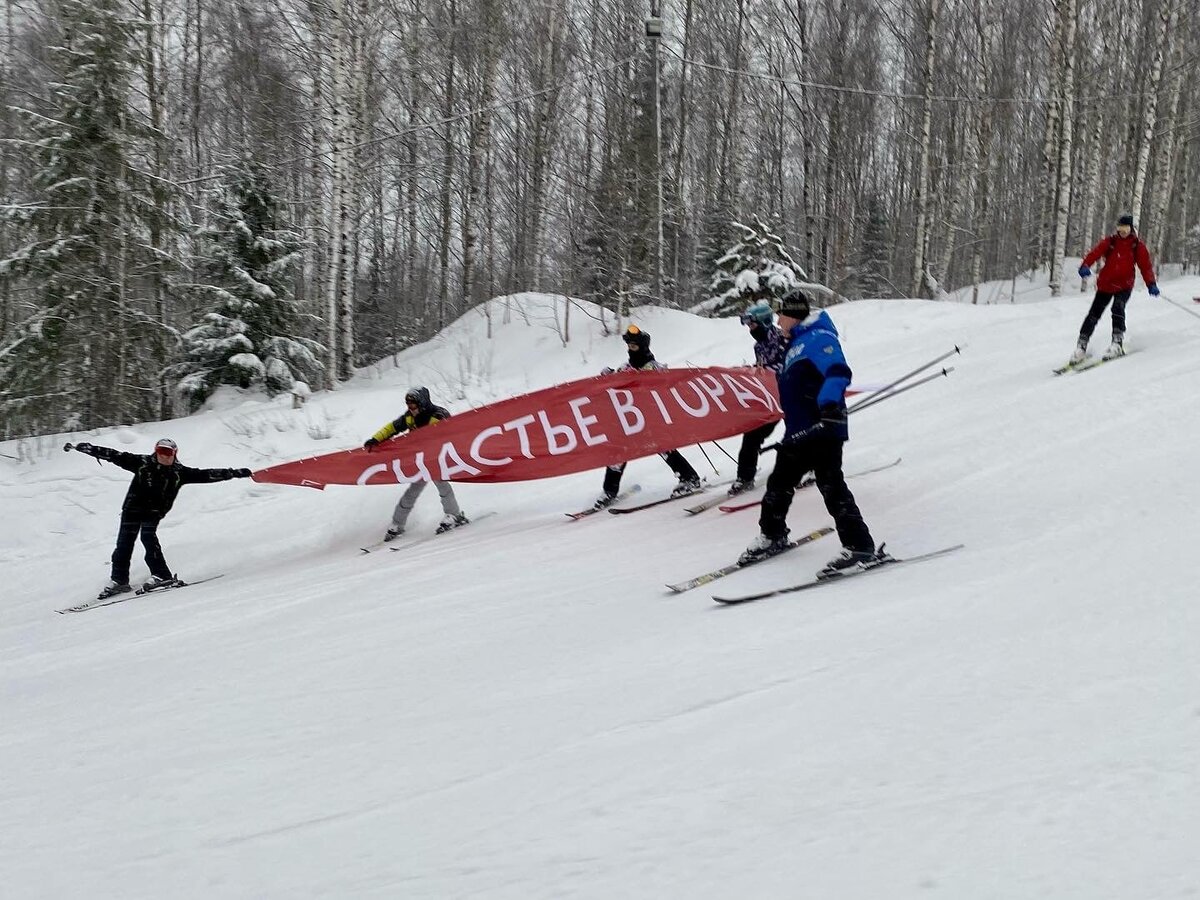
(1190, 312)
(903, 378)
(700, 447)
(908, 387)
(723, 450)
(879, 399)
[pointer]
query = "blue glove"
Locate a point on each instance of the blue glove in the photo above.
(1085, 272)
(1153, 289)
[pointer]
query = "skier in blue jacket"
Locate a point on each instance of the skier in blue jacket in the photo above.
(812, 390)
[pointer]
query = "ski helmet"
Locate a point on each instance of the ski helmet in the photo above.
(759, 314)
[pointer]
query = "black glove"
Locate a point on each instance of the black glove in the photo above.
(370, 444)
(84, 447)
(799, 438)
(833, 414)
(242, 473)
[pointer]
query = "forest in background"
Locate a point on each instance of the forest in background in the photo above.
(198, 192)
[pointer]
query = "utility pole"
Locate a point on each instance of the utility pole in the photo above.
(654, 29)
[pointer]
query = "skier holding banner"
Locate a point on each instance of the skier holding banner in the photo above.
(637, 342)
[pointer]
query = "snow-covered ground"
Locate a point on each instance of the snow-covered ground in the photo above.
(519, 710)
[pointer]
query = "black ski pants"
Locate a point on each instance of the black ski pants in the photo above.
(677, 461)
(822, 457)
(131, 525)
(1119, 299)
(752, 441)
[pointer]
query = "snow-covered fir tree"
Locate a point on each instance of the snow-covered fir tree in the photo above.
(251, 334)
(758, 266)
(84, 353)
(873, 266)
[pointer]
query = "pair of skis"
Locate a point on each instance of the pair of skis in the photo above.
(140, 592)
(887, 562)
(399, 546)
(1088, 362)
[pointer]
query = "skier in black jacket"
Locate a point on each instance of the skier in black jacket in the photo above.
(157, 479)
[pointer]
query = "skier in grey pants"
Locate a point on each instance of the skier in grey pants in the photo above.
(421, 412)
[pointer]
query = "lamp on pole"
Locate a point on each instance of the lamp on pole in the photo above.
(654, 30)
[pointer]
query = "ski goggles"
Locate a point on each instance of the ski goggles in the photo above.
(166, 447)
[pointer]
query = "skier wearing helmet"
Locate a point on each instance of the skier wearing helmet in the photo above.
(157, 478)
(770, 346)
(421, 413)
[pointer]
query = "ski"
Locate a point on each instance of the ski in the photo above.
(379, 545)
(437, 534)
(1089, 362)
(129, 595)
(707, 504)
(809, 482)
(887, 563)
(592, 510)
(733, 567)
(616, 511)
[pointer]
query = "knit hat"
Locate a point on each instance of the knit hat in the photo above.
(795, 304)
(1126, 219)
(637, 337)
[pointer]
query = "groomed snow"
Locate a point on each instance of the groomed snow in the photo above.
(519, 709)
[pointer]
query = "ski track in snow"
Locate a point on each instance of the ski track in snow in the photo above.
(517, 710)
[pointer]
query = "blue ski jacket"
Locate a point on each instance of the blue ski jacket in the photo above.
(815, 374)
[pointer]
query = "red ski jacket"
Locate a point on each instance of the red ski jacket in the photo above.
(1120, 254)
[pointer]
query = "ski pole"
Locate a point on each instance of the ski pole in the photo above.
(723, 450)
(908, 387)
(880, 399)
(903, 378)
(1177, 305)
(700, 447)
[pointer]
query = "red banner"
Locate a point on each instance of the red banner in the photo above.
(573, 427)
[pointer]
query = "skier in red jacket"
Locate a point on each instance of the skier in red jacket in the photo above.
(1121, 252)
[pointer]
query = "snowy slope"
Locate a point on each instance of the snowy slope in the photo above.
(519, 710)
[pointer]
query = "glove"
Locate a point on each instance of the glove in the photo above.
(242, 473)
(607, 370)
(370, 444)
(1085, 272)
(84, 447)
(1153, 289)
(799, 438)
(833, 414)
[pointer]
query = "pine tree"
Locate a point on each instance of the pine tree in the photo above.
(250, 336)
(873, 266)
(758, 266)
(77, 360)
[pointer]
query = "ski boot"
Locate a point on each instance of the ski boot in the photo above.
(740, 486)
(156, 583)
(450, 522)
(849, 560)
(686, 486)
(1080, 353)
(604, 501)
(1116, 348)
(762, 547)
(113, 588)
(392, 533)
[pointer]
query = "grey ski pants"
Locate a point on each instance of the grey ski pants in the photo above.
(409, 500)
